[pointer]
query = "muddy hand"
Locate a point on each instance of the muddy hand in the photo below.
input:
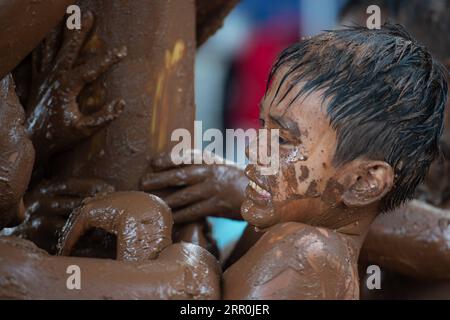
(48, 206)
(59, 198)
(208, 190)
(142, 223)
(54, 120)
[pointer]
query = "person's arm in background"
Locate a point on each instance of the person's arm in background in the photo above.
(23, 24)
(147, 266)
(413, 240)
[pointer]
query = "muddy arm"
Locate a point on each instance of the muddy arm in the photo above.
(55, 121)
(154, 268)
(182, 271)
(142, 223)
(413, 240)
(23, 24)
(16, 154)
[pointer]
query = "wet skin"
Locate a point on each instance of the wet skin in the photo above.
(70, 122)
(309, 187)
(48, 206)
(23, 24)
(54, 120)
(395, 241)
(154, 80)
(204, 190)
(154, 268)
(128, 139)
(182, 271)
(315, 214)
(16, 155)
(141, 222)
(149, 266)
(306, 152)
(55, 123)
(296, 261)
(412, 240)
(186, 258)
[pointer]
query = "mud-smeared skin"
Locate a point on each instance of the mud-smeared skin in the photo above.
(295, 261)
(54, 120)
(198, 233)
(314, 214)
(142, 223)
(31, 20)
(23, 24)
(49, 204)
(160, 75)
(16, 155)
(159, 84)
(155, 80)
(413, 240)
(208, 190)
(182, 271)
(154, 268)
(304, 190)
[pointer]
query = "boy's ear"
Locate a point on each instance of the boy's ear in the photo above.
(365, 182)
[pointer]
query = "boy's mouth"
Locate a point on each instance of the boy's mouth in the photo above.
(262, 192)
(258, 209)
(255, 190)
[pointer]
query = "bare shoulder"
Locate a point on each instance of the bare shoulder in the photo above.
(321, 263)
(320, 243)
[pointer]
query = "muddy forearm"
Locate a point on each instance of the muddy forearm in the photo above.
(413, 240)
(142, 223)
(23, 24)
(183, 271)
(16, 156)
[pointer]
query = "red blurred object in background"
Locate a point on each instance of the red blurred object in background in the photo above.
(251, 68)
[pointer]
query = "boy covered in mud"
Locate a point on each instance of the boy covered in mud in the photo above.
(360, 115)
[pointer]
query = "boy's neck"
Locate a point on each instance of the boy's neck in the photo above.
(354, 223)
(358, 230)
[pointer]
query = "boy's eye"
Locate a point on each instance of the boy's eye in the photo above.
(262, 122)
(282, 140)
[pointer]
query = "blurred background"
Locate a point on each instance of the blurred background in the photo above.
(232, 67)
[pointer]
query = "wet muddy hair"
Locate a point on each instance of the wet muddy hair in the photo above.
(385, 98)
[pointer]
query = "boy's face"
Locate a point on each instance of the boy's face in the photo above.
(305, 186)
